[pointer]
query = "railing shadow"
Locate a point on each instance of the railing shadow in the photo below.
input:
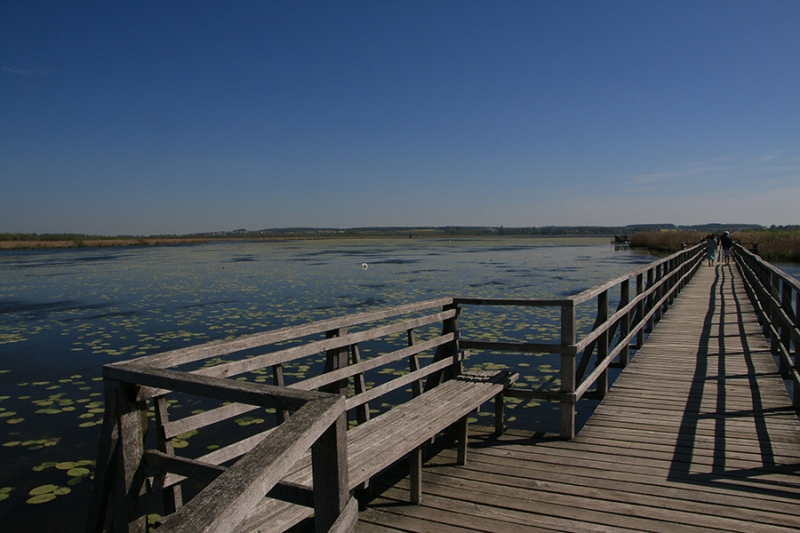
(709, 378)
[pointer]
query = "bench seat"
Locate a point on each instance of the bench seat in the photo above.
(380, 442)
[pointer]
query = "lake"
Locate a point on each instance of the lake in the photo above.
(65, 313)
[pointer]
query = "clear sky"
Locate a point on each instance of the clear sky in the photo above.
(177, 117)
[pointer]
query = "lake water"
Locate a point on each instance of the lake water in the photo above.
(65, 313)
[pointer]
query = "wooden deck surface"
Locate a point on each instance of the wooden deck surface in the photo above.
(697, 434)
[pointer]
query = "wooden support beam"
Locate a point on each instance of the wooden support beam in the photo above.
(567, 373)
(602, 343)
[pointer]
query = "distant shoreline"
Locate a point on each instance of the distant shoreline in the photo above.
(155, 241)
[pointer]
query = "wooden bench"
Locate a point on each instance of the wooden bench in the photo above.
(439, 396)
(400, 432)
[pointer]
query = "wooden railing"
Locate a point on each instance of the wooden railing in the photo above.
(318, 424)
(643, 296)
(776, 298)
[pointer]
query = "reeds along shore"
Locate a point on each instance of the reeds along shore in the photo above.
(772, 245)
(91, 243)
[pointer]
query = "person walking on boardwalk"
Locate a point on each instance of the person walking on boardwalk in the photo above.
(727, 244)
(711, 248)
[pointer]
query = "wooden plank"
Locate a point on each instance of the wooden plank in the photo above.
(697, 434)
(334, 342)
(517, 347)
(370, 364)
(206, 418)
(212, 387)
(196, 353)
(515, 302)
(229, 499)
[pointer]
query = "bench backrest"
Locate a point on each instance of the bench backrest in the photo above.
(376, 359)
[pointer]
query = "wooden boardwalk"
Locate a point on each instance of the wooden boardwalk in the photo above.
(697, 434)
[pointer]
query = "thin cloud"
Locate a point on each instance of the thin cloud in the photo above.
(781, 169)
(27, 71)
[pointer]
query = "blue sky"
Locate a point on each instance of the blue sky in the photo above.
(176, 117)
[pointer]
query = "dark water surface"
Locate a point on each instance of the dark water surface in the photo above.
(65, 313)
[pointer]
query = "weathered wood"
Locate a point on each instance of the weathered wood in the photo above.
(346, 522)
(639, 307)
(212, 387)
(105, 469)
(413, 365)
(359, 385)
(499, 413)
(625, 321)
(416, 474)
(697, 434)
(197, 353)
(336, 358)
(329, 466)
(370, 364)
(650, 299)
(516, 302)
(206, 418)
(173, 498)
(225, 454)
(399, 382)
(518, 347)
(332, 343)
(129, 490)
(592, 292)
(227, 500)
(568, 334)
(446, 351)
(602, 344)
(277, 379)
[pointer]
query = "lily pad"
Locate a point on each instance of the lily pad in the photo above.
(41, 498)
(43, 489)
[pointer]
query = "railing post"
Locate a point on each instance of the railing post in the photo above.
(775, 318)
(640, 308)
(444, 351)
(625, 321)
(672, 281)
(602, 343)
(650, 299)
(359, 385)
(281, 415)
(796, 395)
(335, 359)
(329, 471)
(129, 491)
(568, 371)
(173, 497)
(663, 288)
(786, 327)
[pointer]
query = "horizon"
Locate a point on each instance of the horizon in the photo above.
(155, 118)
(601, 230)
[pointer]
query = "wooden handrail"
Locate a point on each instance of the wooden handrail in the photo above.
(776, 298)
(225, 502)
(666, 277)
(197, 353)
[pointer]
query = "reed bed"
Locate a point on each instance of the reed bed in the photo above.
(666, 241)
(771, 245)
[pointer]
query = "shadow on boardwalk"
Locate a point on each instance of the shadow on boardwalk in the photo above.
(730, 357)
(697, 434)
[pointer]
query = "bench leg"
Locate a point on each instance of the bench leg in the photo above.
(416, 475)
(499, 413)
(462, 434)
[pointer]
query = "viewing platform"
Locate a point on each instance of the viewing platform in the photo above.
(697, 433)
